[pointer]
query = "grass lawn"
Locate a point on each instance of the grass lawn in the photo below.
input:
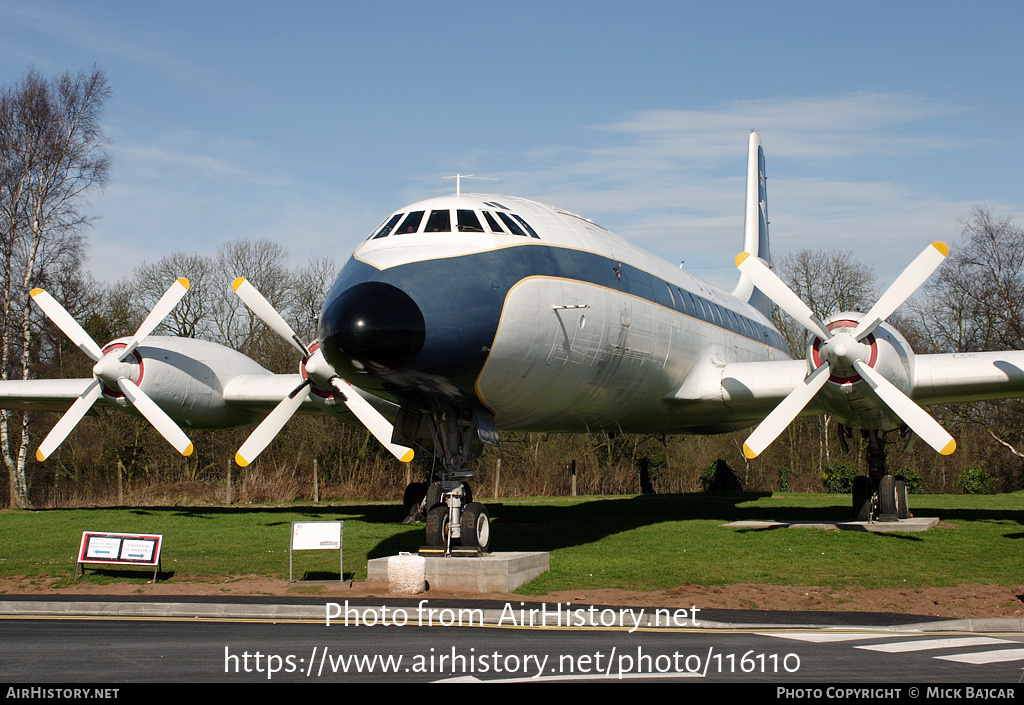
(639, 542)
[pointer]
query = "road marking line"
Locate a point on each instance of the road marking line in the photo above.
(927, 644)
(987, 656)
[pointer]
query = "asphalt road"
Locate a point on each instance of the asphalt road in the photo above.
(260, 640)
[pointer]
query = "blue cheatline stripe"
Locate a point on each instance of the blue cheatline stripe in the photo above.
(462, 297)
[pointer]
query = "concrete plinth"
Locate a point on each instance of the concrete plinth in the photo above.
(881, 527)
(495, 572)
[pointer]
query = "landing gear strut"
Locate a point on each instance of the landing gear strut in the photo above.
(879, 496)
(454, 522)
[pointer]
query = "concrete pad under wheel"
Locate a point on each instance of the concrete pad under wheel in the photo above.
(908, 525)
(493, 572)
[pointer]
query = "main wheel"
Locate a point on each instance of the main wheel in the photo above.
(437, 525)
(862, 498)
(887, 498)
(476, 527)
(902, 505)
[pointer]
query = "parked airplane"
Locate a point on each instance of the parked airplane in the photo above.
(462, 315)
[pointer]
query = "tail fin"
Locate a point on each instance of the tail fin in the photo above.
(755, 229)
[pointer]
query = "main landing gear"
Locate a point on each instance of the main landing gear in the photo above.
(879, 496)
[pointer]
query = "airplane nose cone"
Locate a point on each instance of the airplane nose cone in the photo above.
(374, 327)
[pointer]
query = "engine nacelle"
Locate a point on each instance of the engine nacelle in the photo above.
(847, 396)
(186, 378)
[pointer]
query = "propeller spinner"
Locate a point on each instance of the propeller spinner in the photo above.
(112, 370)
(317, 374)
(846, 353)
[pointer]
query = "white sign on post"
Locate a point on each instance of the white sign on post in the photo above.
(317, 536)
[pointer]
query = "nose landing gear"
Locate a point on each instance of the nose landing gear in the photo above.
(455, 524)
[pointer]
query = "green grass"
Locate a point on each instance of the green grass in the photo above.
(643, 542)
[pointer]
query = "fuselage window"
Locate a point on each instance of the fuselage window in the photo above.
(386, 229)
(702, 312)
(685, 301)
(512, 226)
(734, 322)
(468, 222)
(439, 222)
(671, 296)
(533, 233)
(411, 223)
(492, 223)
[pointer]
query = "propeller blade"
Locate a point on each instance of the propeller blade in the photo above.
(919, 420)
(267, 313)
(69, 420)
(63, 320)
(156, 416)
(374, 421)
(316, 367)
(775, 289)
(163, 307)
(906, 284)
(272, 425)
(783, 414)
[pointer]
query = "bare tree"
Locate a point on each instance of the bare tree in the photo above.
(312, 284)
(265, 265)
(829, 281)
(976, 303)
(189, 319)
(51, 158)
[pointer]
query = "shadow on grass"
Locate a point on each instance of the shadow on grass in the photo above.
(547, 525)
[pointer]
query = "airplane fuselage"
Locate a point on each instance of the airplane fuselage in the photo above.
(551, 324)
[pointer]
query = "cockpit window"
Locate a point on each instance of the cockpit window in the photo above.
(439, 222)
(468, 222)
(492, 223)
(533, 233)
(411, 223)
(512, 226)
(386, 229)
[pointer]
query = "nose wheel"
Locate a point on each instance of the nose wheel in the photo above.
(454, 523)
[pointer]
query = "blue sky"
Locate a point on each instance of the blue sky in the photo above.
(307, 123)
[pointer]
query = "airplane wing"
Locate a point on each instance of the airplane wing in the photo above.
(746, 392)
(41, 394)
(718, 397)
(965, 377)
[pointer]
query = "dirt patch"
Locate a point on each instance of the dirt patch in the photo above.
(962, 601)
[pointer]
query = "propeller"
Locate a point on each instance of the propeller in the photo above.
(846, 353)
(112, 371)
(319, 381)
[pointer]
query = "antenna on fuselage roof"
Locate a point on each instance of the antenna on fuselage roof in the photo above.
(458, 181)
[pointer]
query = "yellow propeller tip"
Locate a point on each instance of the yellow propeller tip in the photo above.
(36, 291)
(748, 453)
(240, 461)
(941, 247)
(741, 258)
(407, 458)
(237, 283)
(188, 451)
(184, 282)
(950, 447)
(39, 456)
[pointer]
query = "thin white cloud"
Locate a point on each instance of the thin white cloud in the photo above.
(673, 180)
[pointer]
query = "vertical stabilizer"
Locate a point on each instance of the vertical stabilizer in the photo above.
(755, 227)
